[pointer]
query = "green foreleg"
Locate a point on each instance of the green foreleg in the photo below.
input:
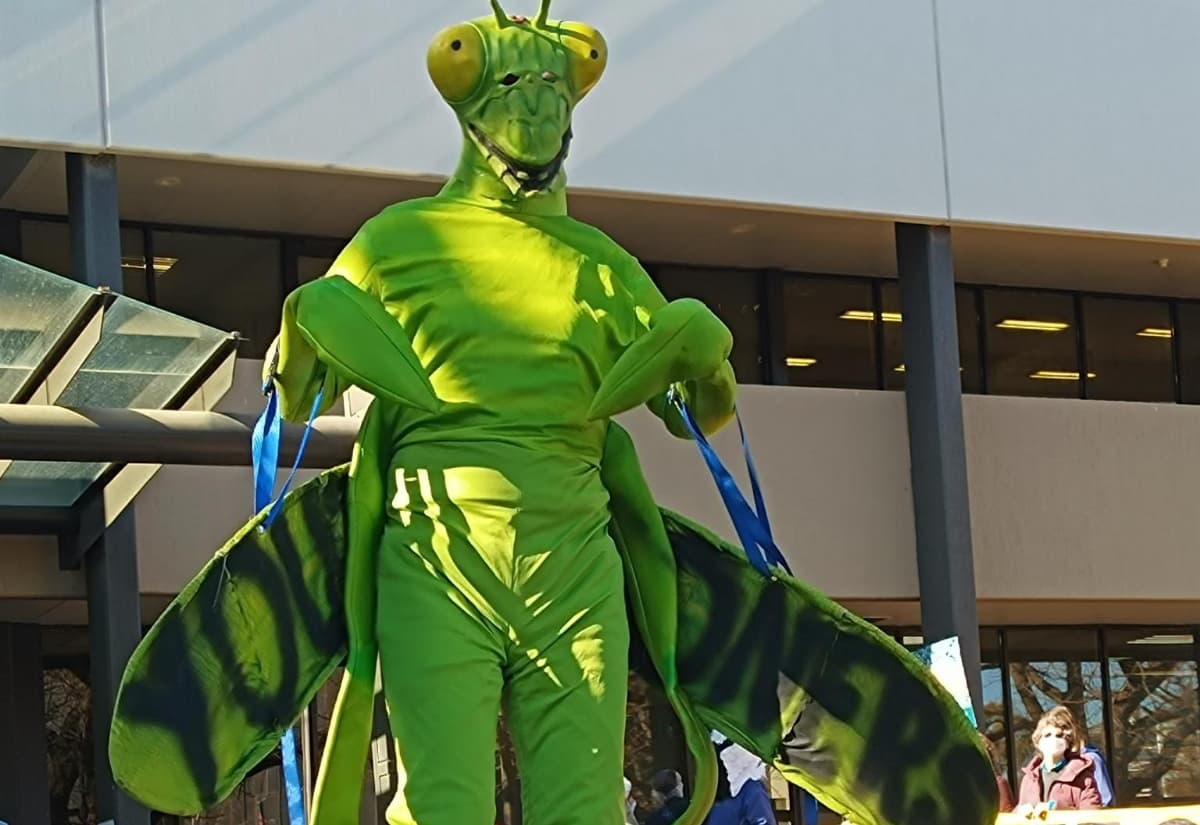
(650, 575)
(339, 782)
(378, 357)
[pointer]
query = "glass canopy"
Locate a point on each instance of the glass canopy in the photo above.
(144, 359)
(36, 308)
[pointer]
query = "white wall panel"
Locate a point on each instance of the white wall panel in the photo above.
(811, 103)
(1083, 499)
(50, 73)
(315, 82)
(1078, 114)
(829, 104)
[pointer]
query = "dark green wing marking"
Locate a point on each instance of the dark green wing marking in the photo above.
(834, 702)
(236, 656)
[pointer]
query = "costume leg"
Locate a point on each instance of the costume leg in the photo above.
(442, 680)
(565, 698)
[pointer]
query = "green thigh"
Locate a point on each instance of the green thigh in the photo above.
(458, 633)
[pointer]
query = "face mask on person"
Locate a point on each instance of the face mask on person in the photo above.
(1053, 745)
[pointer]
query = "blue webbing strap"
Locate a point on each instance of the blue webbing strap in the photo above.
(264, 444)
(291, 779)
(265, 454)
(751, 525)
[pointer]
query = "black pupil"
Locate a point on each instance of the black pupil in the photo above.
(595, 54)
(510, 79)
(456, 45)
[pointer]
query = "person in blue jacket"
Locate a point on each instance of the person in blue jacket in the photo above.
(742, 797)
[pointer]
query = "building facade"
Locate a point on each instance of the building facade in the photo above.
(832, 179)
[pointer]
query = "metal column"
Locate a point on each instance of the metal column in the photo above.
(114, 629)
(24, 785)
(114, 610)
(937, 449)
(10, 234)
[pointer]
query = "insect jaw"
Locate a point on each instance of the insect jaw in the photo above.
(517, 176)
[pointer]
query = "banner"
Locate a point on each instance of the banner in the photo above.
(1186, 815)
(944, 660)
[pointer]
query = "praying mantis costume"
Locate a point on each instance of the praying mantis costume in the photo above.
(493, 540)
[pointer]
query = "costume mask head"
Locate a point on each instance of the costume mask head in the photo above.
(514, 82)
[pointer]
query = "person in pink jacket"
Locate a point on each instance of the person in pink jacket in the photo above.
(1058, 777)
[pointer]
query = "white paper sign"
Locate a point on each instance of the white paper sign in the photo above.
(944, 660)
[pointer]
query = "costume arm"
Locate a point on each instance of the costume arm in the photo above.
(680, 343)
(337, 333)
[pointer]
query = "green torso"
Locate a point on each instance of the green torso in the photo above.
(516, 319)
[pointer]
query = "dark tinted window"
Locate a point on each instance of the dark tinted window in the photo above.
(47, 245)
(968, 339)
(1128, 349)
(1032, 344)
(1188, 345)
(232, 283)
(830, 332)
(734, 296)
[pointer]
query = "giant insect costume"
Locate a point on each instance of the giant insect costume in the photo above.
(493, 539)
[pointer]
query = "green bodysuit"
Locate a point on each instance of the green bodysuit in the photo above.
(496, 573)
(496, 540)
(493, 539)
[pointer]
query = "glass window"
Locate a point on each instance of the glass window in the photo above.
(1128, 349)
(309, 268)
(995, 728)
(1155, 714)
(1050, 667)
(830, 332)
(734, 296)
(1188, 332)
(67, 702)
(968, 338)
(229, 282)
(47, 245)
(1032, 346)
(314, 256)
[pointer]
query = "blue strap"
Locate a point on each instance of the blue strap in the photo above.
(265, 454)
(759, 504)
(291, 779)
(264, 448)
(753, 529)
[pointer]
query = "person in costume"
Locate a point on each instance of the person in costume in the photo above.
(493, 541)
(496, 576)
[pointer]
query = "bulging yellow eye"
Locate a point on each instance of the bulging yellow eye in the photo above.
(589, 55)
(456, 61)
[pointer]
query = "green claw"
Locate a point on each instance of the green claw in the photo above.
(378, 357)
(685, 342)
